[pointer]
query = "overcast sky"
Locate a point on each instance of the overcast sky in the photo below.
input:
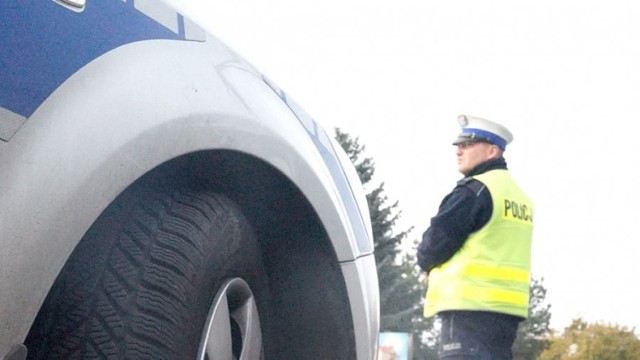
(563, 76)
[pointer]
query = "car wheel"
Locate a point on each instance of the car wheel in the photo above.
(161, 274)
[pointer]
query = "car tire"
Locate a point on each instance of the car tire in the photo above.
(151, 279)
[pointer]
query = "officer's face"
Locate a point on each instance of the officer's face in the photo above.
(473, 154)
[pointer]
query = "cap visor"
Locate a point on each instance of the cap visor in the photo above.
(466, 139)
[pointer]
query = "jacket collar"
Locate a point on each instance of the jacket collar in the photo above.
(493, 164)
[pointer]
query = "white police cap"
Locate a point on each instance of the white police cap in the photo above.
(476, 129)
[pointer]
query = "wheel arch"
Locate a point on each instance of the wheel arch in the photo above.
(307, 287)
(306, 282)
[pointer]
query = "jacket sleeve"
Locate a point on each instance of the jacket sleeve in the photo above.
(465, 210)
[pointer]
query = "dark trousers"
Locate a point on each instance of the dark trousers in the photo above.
(477, 335)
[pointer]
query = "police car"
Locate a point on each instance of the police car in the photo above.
(160, 198)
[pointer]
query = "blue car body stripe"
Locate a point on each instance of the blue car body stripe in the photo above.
(181, 26)
(331, 160)
(42, 44)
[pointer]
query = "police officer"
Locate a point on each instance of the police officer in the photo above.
(477, 250)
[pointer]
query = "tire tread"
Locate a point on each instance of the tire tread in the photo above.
(128, 289)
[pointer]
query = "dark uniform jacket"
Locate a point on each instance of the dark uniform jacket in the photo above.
(465, 210)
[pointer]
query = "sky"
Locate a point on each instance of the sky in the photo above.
(563, 76)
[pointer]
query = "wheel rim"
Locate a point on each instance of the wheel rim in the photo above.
(232, 330)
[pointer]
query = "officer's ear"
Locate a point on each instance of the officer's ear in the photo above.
(494, 151)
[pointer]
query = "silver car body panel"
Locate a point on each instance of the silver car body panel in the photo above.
(66, 157)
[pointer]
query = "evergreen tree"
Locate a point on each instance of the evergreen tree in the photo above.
(533, 333)
(399, 279)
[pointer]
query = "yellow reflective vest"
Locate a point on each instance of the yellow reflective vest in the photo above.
(492, 269)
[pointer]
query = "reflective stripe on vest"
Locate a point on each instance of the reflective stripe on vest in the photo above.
(491, 271)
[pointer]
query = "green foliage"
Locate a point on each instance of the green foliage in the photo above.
(584, 341)
(398, 278)
(533, 333)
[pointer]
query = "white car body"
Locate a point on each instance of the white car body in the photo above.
(94, 96)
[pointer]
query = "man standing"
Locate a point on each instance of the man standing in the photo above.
(477, 250)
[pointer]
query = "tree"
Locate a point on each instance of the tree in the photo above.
(533, 333)
(398, 277)
(584, 341)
